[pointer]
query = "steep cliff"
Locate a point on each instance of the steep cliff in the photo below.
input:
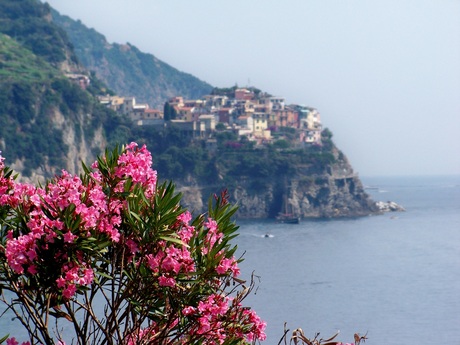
(328, 189)
(325, 196)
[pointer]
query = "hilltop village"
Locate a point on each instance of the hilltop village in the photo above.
(246, 112)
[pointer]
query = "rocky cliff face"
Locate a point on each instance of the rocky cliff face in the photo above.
(81, 147)
(338, 192)
(330, 197)
(325, 197)
(78, 147)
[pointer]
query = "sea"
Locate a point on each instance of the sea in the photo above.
(393, 277)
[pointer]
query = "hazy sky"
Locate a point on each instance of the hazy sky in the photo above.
(384, 74)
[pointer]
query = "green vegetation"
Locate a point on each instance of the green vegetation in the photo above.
(28, 131)
(178, 157)
(20, 64)
(34, 93)
(25, 21)
(230, 91)
(169, 112)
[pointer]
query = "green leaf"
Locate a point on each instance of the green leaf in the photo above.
(4, 338)
(173, 239)
(105, 275)
(135, 215)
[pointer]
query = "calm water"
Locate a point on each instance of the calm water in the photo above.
(395, 276)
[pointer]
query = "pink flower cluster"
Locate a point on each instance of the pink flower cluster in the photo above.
(136, 163)
(186, 231)
(13, 341)
(171, 259)
(219, 318)
(168, 262)
(228, 264)
(213, 236)
(15, 194)
(74, 275)
(257, 330)
(27, 253)
(92, 213)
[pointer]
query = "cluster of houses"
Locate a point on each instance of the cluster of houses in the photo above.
(257, 116)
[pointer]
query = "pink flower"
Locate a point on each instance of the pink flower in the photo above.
(186, 233)
(19, 250)
(211, 224)
(11, 341)
(88, 276)
(153, 263)
(188, 310)
(69, 237)
(164, 281)
(213, 236)
(258, 326)
(185, 217)
(60, 282)
(32, 269)
(69, 291)
(226, 265)
(205, 326)
(214, 305)
(171, 264)
(132, 246)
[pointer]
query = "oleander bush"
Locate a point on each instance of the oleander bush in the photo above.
(114, 255)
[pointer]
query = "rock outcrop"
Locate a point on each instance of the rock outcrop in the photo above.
(337, 192)
(389, 206)
(321, 197)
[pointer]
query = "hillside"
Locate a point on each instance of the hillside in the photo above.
(127, 70)
(47, 120)
(51, 119)
(21, 64)
(29, 23)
